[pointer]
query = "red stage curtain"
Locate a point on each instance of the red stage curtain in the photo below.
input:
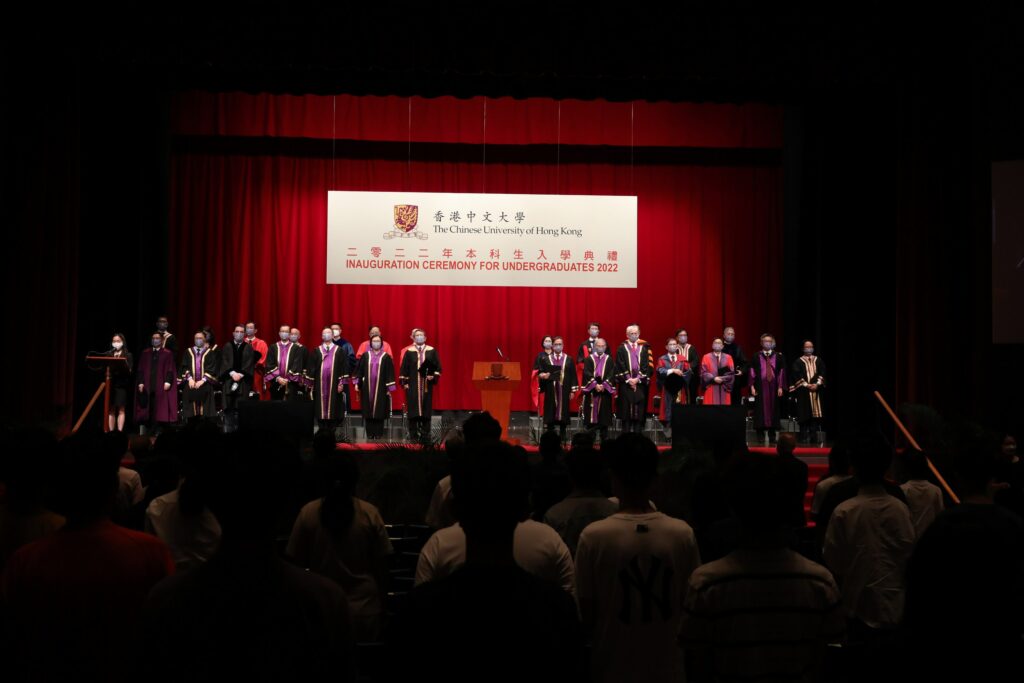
(248, 238)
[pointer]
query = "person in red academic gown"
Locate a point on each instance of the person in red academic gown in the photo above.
(717, 374)
(260, 347)
(156, 403)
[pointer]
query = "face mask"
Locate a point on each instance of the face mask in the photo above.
(599, 350)
(558, 348)
(717, 347)
(376, 345)
(683, 338)
(157, 343)
(633, 336)
(336, 335)
(808, 350)
(200, 342)
(767, 346)
(673, 349)
(239, 336)
(284, 336)
(729, 338)
(250, 332)
(293, 338)
(162, 327)
(327, 337)
(420, 339)
(117, 345)
(593, 332)
(547, 345)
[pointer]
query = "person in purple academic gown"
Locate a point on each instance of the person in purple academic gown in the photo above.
(327, 370)
(634, 366)
(197, 376)
(375, 380)
(598, 389)
(767, 386)
(157, 401)
(558, 381)
(285, 367)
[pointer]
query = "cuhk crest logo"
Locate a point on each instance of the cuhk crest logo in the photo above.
(406, 218)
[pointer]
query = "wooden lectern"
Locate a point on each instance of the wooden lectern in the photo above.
(110, 364)
(496, 382)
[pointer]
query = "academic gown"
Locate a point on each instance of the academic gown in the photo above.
(198, 365)
(326, 370)
(638, 363)
(375, 373)
(558, 388)
(286, 360)
(535, 391)
(711, 367)
(597, 405)
(808, 370)
(245, 356)
(673, 388)
(767, 374)
(261, 351)
(741, 363)
(156, 368)
(418, 365)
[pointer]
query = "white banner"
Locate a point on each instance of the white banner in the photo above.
(489, 240)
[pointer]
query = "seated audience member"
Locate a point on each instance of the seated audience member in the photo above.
(74, 598)
(586, 502)
(549, 478)
(632, 573)
(965, 583)
(924, 499)
(491, 619)
(25, 473)
(344, 538)
(867, 544)
(763, 611)
(794, 481)
(838, 471)
(246, 614)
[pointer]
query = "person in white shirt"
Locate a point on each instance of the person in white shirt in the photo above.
(867, 545)
(632, 571)
(763, 612)
(838, 470)
(923, 497)
(182, 521)
(586, 503)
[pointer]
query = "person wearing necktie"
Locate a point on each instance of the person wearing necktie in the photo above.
(634, 365)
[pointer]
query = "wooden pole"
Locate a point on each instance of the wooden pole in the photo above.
(916, 447)
(85, 413)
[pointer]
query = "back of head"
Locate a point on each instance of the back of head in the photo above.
(337, 509)
(585, 467)
(323, 443)
(247, 476)
(550, 445)
(871, 458)
(86, 481)
(490, 489)
(481, 427)
(839, 459)
(787, 444)
(634, 462)
(755, 486)
(915, 463)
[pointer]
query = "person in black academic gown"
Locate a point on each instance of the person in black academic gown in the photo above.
(807, 384)
(689, 353)
(285, 367)
(327, 370)
(375, 380)
(558, 380)
(418, 374)
(197, 375)
(535, 391)
(598, 387)
(634, 366)
(740, 362)
(237, 369)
